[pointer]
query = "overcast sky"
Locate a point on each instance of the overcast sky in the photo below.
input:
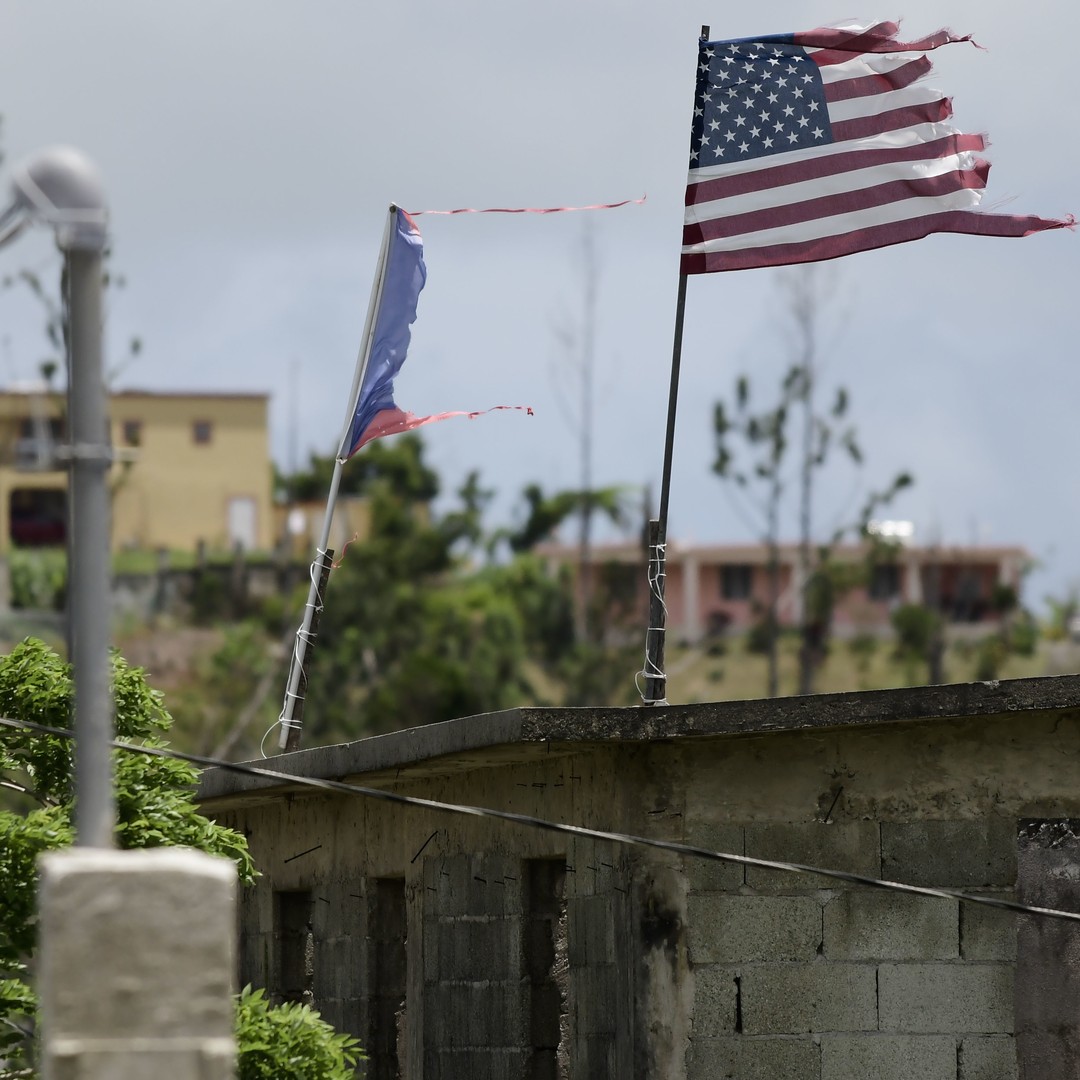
(250, 149)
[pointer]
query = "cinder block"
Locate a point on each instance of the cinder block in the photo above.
(478, 949)
(596, 991)
(852, 846)
(594, 868)
(590, 930)
(472, 885)
(946, 998)
(726, 929)
(715, 1001)
(958, 854)
(339, 968)
(988, 1058)
(708, 875)
(495, 1064)
(790, 999)
(987, 933)
(472, 1014)
(594, 1056)
(748, 1058)
(1048, 951)
(888, 1057)
(863, 925)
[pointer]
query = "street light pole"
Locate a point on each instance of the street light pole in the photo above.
(90, 572)
(174, 911)
(62, 188)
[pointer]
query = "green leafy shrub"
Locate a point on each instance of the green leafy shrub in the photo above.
(915, 626)
(990, 655)
(289, 1042)
(760, 635)
(1024, 635)
(156, 807)
(38, 578)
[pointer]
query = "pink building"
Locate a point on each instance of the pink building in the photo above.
(715, 587)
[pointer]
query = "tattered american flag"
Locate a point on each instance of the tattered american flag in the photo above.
(813, 145)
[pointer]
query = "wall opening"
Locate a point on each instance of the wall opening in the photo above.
(37, 517)
(294, 947)
(386, 1037)
(546, 967)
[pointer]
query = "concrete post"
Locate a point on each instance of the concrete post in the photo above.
(136, 965)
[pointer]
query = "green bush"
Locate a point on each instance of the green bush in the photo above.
(38, 578)
(862, 647)
(990, 655)
(155, 805)
(289, 1042)
(1024, 635)
(760, 634)
(915, 626)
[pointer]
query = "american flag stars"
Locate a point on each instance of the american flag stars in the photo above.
(755, 99)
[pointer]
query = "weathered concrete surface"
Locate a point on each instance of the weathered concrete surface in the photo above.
(864, 925)
(676, 967)
(888, 1057)
(136, 965)
(1048, 953)
(472, 742)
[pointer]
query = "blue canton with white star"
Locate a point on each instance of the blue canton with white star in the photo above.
(755, 99)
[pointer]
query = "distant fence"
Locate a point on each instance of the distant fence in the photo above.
(222, 590)
(230, 587)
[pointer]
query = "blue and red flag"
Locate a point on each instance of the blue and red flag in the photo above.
(404, 274)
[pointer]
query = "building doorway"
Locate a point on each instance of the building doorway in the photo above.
(242, 519)
(37, 517)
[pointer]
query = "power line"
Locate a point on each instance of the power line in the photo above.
(528, 821)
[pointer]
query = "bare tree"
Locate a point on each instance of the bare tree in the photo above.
(765, 439)
(578, 340)
(823, 433)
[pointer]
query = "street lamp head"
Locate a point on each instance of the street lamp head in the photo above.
(62, 187)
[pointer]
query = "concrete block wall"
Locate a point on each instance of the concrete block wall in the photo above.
(798, 977)
(473, 971)
(684, 969)
(474, 984)
(600, 959)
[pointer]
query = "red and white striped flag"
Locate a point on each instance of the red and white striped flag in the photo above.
(814, 145)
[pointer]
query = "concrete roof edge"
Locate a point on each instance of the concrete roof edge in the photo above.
(400, 750)
(396, 750)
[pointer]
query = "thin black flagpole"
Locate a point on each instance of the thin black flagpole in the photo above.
(655, 677)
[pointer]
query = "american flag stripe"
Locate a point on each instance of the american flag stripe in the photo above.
(875, 81)
(822, 144)
(867, 156)
(838, 43)
(833, 184)
(867, 239)
(883, 120)
(842, 205)
(896, 166)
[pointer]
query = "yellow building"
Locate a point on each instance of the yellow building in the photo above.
(190, 468)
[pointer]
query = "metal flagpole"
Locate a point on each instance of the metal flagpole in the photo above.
(290, 728)
(655, 678)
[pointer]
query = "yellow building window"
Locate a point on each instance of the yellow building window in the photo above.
(132, 432)
(202, 432)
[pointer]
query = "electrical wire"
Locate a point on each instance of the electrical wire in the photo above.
(582, 831)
